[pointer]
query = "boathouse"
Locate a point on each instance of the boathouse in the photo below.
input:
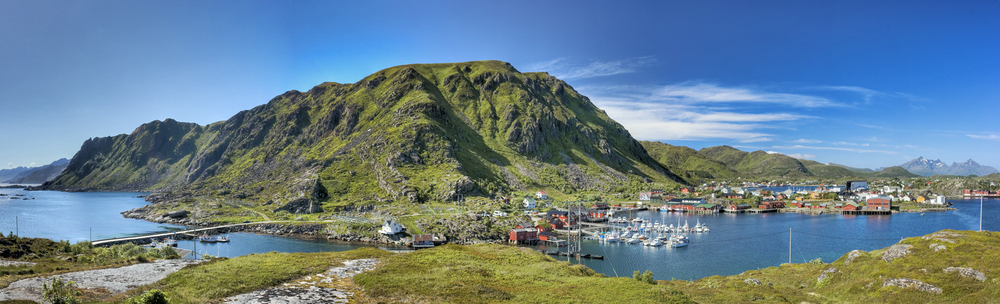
(423, 241)
(524, 236)
(851, 207)
(879, 203)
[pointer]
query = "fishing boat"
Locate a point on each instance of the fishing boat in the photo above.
(686, 228)
(698, 227)
(704, 228)
(222, 239)
(679, 241)
(207, 239)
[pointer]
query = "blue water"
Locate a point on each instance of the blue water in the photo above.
(741, 242)
(737, 242)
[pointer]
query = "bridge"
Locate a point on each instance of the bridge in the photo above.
(191, 232)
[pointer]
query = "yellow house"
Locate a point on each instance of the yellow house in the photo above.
(814, 195)
(921, 199)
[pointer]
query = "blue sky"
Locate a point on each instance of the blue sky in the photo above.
(861, 83)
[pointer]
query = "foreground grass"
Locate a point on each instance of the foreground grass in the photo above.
(499, 274)
(862, 280)
(221, 278)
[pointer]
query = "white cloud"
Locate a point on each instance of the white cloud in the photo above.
(989, 137)
(772, 152)
(834, 148)
(31, 165)
(653, 121)
(801, 156)
(10, 164)
(700, 93)
(807, 141)
(563, 70)
(844, 143)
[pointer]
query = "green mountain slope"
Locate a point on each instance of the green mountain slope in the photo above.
(687, 161)
(425, 132)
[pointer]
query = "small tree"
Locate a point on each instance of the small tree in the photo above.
(60, 292)
(644, 277)
(154, 296)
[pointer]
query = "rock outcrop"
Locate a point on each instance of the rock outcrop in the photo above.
(896, 251)
(911, 283)
(967, 272)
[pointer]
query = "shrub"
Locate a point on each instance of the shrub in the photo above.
(644, 277)
(154, 296)
(60, 292)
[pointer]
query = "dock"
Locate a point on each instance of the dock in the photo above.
(755, 210)
(867, 212)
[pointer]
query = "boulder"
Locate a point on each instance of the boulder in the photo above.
(937, 247)
(823, 276)
(853, 255)
(752, 281)
(896, 251)
(967, 272)
(907, 283)
(177, 214)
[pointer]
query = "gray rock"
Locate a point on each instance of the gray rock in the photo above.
(937, 247)
(907, 283)
(752, 281)
(823, 276)
(177, 214)
(853, 255)
(301, 205)
(967, 272)
(896, 251)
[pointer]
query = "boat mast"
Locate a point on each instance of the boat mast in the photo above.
(980, 214)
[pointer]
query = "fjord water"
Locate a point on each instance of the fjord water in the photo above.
(737, 242)
(741, 242)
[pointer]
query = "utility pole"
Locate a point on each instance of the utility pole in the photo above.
(980, 214)
(789, 245)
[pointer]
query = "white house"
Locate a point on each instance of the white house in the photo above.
(391, 227)
(529, 203)
(724, 190)
(938, 200)
(541, 195)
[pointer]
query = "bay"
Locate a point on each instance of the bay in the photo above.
(737, 242)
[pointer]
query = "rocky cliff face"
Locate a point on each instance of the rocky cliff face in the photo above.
(409, 133)
(928, 167)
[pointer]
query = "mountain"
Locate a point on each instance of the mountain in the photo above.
(851, 168)
(687, 162)
(728, 162)
(927, 167)
(41, 174)
(7, 174)
(413, 133)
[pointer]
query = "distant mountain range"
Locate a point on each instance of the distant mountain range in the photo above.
(729, 162)
(928, 167)
(33, 175)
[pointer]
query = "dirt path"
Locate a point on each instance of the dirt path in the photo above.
(115, 280)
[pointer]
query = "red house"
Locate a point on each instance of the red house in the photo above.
(851, 207)
(685, 190)
(879, 204)
(546, 236)
(523, 236)
(797, 204)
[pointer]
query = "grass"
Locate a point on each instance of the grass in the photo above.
(498, 274)
(861, 280)
(221, 277)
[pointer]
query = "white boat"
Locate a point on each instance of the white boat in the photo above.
(222, 239)
(671, 228)
(704, 228)
(634, 241)
(654, 243)
(166, 242)
(207, 239)
(697, 227)
(678, 241)
(686, 228)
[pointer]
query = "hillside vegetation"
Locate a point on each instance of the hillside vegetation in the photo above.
(723, 162)
(413, 133)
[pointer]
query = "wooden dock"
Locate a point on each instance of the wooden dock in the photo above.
(867, 212)
(755, 210)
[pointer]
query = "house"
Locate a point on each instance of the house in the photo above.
(557, 214)
(541, 195)
(733, 196)
(597, 214)
(529, 203)
(852, 207)
(735, 207)
(939, 200)
(706, 207)
(524, 225)
(921, 199)
(880, 203)
(423, 241)
(546, 236)
(600, 206)
(797, 204)
(645, 196)
(656, 192)
(524, 236)
(390, 227)
(686, 190)
(725, 190)
(557, 223)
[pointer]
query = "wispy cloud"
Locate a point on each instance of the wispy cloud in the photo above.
(10, 164)
(869, 96)
(702, 93)
(561, 68)
(844, 143)
(834, 149)
(989, 137)
(656, 121)
(801, 156)
(807, 141)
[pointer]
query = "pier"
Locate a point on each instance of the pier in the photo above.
(867, 212)
(755, 210)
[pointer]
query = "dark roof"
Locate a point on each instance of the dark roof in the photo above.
(526, 225)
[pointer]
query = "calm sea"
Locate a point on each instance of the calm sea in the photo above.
(737, 243)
